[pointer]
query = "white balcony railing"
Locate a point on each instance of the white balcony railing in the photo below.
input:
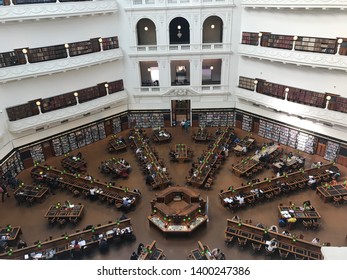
(56, 10)
(181, 49)
(321, 60)
(181, 91)
(59, 65)
(55, 118)
(292, 108)
(295, 4)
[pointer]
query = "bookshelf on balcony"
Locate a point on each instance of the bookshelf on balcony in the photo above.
(250, 38)
(338, 103)
(87, 94)
(58, 102)
(115, 86)
(12, 58)
(110, 43)
(343, 47)
(319, 45)
(22, 111)
(246, 83)
(46, 53)
(84, 47)
(277, 41)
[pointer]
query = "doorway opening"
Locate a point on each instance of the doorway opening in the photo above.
(180, 110)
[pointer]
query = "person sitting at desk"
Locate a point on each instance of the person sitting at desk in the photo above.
(291, 221)
(307, 205)
(149, 179)
(271, 245)
(103, 245)
(315, 241)
(134, 256)
(312, 183)
(79, 156)
(92, 194)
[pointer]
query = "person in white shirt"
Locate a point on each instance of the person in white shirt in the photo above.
(315, 241)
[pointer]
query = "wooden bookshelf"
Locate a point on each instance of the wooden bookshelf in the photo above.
(247, 123)
(115, 86)
(250, 38)
(343, 47)
(246, 83)
(277, 41)
(58, 102)
(320, 45)
(84, 47)
(147, 120)
(210, 118)
(22, 111)
(46, 53)
(331, 151)
(87, 94)
(110, 43)
(12, 58)
(338, 104)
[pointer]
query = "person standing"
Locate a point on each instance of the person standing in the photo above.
(3, 190)
(186, 126)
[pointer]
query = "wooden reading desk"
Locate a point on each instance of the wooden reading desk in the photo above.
(10, 233)
(74, 164)
(245, 142)
(161, 136)
(59, 211)
(299, 213)
(202, 135)
(327, 193)
(294, 181)
(60, 247)
(156, 170)
(30, 193)
(296, 247)
(104, 191)
(151, 252)
(203, 252)
(200, 174)
(116, 145)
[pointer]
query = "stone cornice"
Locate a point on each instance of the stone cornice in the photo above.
(55, 118)
(56, 10)
(327, 61)
(19, 72)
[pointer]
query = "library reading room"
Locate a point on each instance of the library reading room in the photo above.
(173, 130)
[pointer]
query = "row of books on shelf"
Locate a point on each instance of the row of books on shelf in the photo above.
(331, 151)
(63, 100)
(287, 136)
(12, 166)
(78, 139)
(146, 120)
(40, 54)
(247, 123)
(216, 119)
(298, 43)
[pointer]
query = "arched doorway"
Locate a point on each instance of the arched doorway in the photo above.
(146, 33)
(212, 30)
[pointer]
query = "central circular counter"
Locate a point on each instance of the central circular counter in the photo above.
(178, 210)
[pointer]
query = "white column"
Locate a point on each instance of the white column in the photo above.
(76, 96)
(38, 104)
(294, 41)
(328, 98)
(25, 51)
(106, 87)
(67, 49)
(259, 38)
(339, 42)
(286, 93)
(255, 85)
(100, 41)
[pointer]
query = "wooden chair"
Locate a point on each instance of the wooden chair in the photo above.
(208, 184)
(256, 247)
(283, 254)
(307, 224)
(229, 239)
(242, 242)
(337, 200)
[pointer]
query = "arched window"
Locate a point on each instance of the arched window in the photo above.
(212, 30)
(179, 31)
(146, 33)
